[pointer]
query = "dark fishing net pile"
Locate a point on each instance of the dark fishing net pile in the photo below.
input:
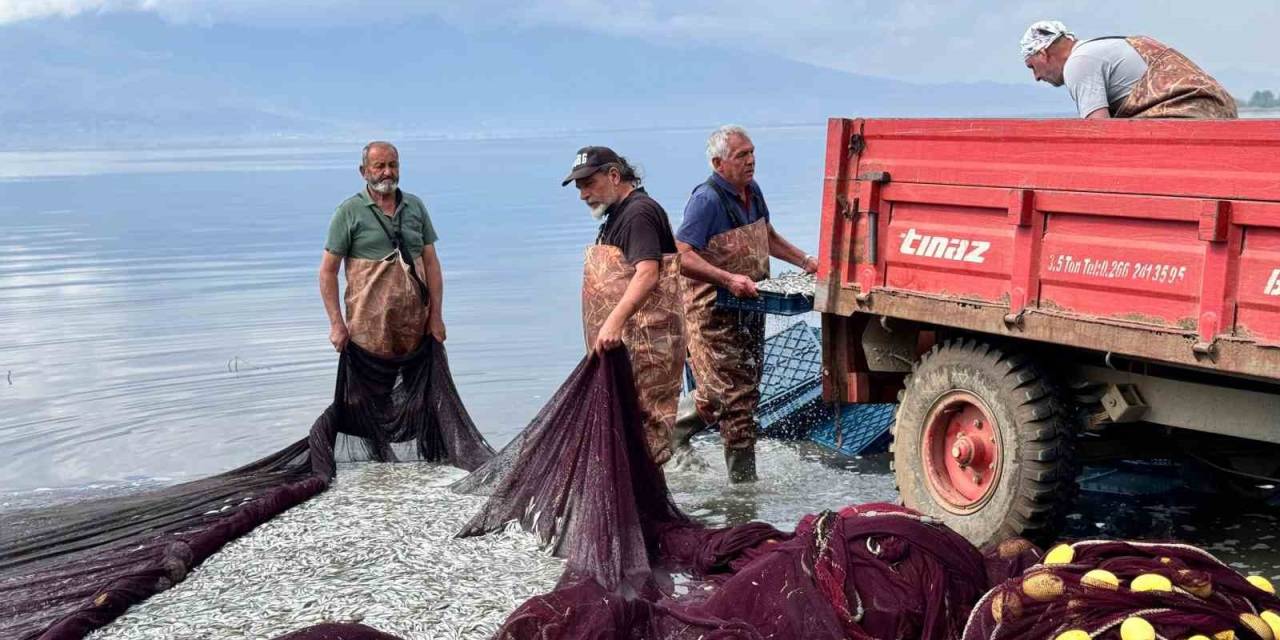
(875, 571)
(68, 569)
(580, 478)
(636, 568)
(1107, 590)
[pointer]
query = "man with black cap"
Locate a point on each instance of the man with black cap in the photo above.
(631, 287)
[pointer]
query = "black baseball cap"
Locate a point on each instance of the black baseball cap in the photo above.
(590, 160)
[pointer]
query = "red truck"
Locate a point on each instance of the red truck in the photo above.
(1041, 293)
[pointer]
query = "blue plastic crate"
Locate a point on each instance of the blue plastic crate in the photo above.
(792, 359)
(791, 404)
(772, 303)
(862, 429)
(792, 415)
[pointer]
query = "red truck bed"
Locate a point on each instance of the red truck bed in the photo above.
(1153, 239)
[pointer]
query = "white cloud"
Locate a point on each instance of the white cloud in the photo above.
(961, 40)
(18, 10)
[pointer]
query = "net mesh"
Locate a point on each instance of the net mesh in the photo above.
(68, 569)
(579, 478)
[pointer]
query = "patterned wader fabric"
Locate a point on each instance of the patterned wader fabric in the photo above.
(726, 347)
(385, 314)
(1173, 87)
(654, 336)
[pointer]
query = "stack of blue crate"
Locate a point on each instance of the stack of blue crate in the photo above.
(791, 404)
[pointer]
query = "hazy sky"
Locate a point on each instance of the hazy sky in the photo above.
(958, 40)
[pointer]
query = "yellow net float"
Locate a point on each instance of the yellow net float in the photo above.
(1262, 583)
(1043, 586)
(1150, 582)
(1061, 554)
(1006, 604)
(1196, 584)
(1073, 634)
(1100, 579)
(1257, 625)
(1273, 620)
(1135, 628)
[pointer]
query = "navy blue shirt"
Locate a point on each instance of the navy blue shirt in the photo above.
(705, 215)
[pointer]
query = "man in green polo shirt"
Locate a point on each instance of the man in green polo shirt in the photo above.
(384, 239)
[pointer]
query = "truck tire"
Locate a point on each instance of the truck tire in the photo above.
(983, 442)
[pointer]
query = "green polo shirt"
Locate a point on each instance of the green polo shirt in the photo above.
(354, 230)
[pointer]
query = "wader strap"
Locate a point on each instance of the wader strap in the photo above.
(397, 243)
(730, 205)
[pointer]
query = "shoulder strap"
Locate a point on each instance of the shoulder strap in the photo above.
(397, 243)
(730, 207)
(757, 201)
(393, 238)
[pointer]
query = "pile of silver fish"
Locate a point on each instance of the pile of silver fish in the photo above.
(790, 283)
(376, 548)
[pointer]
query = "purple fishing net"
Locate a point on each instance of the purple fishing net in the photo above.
(405, 408)
(68, 569)
(1177, 590)
(580, 478)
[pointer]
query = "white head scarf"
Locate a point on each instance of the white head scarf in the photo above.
(1042, 34)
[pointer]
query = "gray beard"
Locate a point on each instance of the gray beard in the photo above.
(384, 187)
(597, 211)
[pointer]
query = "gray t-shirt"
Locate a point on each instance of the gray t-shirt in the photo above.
(1101, 73)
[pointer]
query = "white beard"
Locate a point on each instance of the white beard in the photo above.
(384, 187)
(597, 211)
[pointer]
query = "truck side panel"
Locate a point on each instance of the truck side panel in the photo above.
(1258, 293)
(1155, 239)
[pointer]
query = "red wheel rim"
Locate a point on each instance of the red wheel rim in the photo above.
(961, 452)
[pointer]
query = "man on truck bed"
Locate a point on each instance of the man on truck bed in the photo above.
(631, 287)
(1123, 77)
(725, 240)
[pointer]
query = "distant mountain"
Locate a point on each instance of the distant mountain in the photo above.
(112, 79)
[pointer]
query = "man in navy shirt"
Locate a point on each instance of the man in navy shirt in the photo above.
(725, 241)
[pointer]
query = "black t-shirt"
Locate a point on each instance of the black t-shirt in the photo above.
(639, 226)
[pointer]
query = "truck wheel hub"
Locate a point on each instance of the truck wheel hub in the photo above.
(961, 452)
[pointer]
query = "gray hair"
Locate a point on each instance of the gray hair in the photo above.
(364, 154)
(718, 142)
(629, 172)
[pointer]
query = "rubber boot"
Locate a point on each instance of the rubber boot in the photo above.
(688, 423)
(741, 464)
